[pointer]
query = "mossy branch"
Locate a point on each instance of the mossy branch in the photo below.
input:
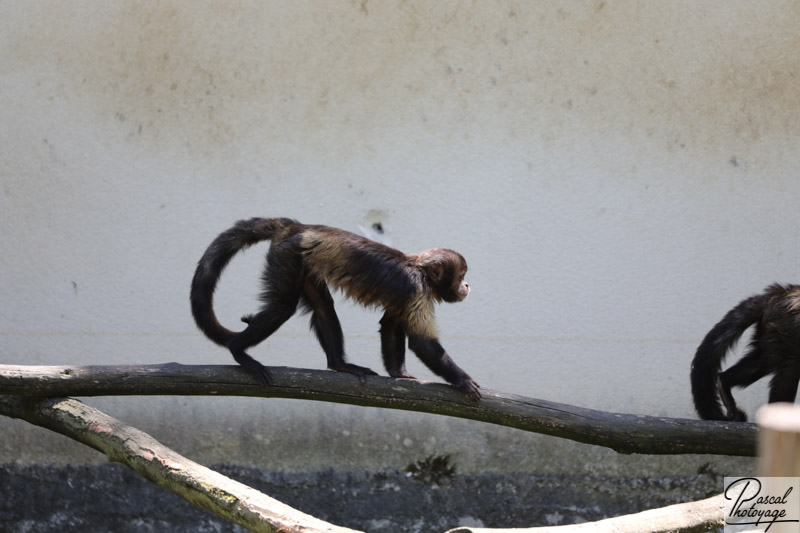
(141, 452)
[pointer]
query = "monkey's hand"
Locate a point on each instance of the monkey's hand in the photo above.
(361, 371)
(470, 388)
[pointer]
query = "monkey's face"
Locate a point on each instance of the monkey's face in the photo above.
(445, 271)
(461, 287)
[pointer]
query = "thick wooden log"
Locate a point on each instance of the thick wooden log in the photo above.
(625, 433)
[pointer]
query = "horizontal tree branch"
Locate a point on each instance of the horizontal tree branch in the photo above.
(624, 433)
(141, 452)
(690, 517)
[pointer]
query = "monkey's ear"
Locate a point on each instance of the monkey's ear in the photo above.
(436, 271)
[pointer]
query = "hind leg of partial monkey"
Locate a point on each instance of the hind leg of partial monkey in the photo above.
(317, 298)
(783, 386)
(749, 369)
(393, 347)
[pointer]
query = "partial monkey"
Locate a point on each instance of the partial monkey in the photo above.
(774, 350)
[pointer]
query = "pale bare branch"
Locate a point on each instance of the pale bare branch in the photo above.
(141, 452)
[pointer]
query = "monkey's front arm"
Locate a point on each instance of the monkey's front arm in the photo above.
(433, 354)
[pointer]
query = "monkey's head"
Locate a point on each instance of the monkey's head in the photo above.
(444, 270)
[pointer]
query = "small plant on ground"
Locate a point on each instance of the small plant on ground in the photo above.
(432, 469)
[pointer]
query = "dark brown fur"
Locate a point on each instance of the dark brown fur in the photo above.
(303, 261)
(774, 349)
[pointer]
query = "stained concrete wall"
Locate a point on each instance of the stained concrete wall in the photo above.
(618, 175)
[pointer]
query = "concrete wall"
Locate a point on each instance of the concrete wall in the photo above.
(618, 175)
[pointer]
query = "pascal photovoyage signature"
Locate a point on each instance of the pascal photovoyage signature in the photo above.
(765, 509)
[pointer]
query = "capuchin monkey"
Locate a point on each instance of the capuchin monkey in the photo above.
(303, 261)
(774, 349)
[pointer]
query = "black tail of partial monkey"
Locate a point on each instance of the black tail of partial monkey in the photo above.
(243, 234)
(712, 351)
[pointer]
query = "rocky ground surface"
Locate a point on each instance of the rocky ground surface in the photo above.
(430, 498)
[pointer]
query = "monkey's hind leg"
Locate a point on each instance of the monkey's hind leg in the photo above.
(749, 369)
(259, 326)
(317, 299)
(783, 386)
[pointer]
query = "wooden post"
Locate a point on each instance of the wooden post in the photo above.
(779, 440)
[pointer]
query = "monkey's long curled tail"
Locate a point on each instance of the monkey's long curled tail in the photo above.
(244, 233)
(712, 351)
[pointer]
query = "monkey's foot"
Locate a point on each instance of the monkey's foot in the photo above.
(254, 367)
(737, 415)
(401, 374)
(470, 388)
(264, 377)
(361, 371)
